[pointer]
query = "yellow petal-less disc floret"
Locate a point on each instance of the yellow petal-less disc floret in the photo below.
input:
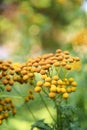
(52, 95)
(63, 86)
(60, 82)
(69, 90)
(67, 82)
(25, 77)
(54, 82)
(26, 99)
(47, 84)
(63, 90)
(73, 89)
(58, 89)
(53, 88)
(74, 84)
(43, 77)
(68, 67)
(31, 75)
(37, 89)
(31, 96)
(55, 77)
(39, 83)
(47, 79)
(56, 64)
(71, 80)
(65, 95)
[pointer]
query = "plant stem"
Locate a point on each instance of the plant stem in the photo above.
(18, 97)
(47, 107)
(58, 118)
(31, 112)
(26, 105)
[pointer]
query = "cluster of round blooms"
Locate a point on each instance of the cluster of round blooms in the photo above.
(30, 96)
(9, 74)
(51, 68)
(6, 106)
(54, 86)
(6, 74)
(25, 72)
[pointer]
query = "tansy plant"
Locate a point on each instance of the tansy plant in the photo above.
(53, 83)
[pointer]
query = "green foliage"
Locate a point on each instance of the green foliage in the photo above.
(41, 125)
(40, 23)
(67, 120)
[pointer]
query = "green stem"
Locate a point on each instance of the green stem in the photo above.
(18, 97)
(57, 118)
(44, 92)
(58, 69)
(26, 104)
(67, 73)
(47, 107)
(18, 92)
(31, 112)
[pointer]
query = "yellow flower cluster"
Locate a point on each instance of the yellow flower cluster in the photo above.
(6, 106)
(6, 74)
(53, 86)
(25, 72)
(51, 69)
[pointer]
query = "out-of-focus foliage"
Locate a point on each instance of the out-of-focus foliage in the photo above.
(43, 23)
(81, 37)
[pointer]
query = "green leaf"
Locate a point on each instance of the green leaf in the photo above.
(41, 125)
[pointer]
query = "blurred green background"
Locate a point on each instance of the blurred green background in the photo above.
(29, 28)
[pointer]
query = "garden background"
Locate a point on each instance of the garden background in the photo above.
(29, 28)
